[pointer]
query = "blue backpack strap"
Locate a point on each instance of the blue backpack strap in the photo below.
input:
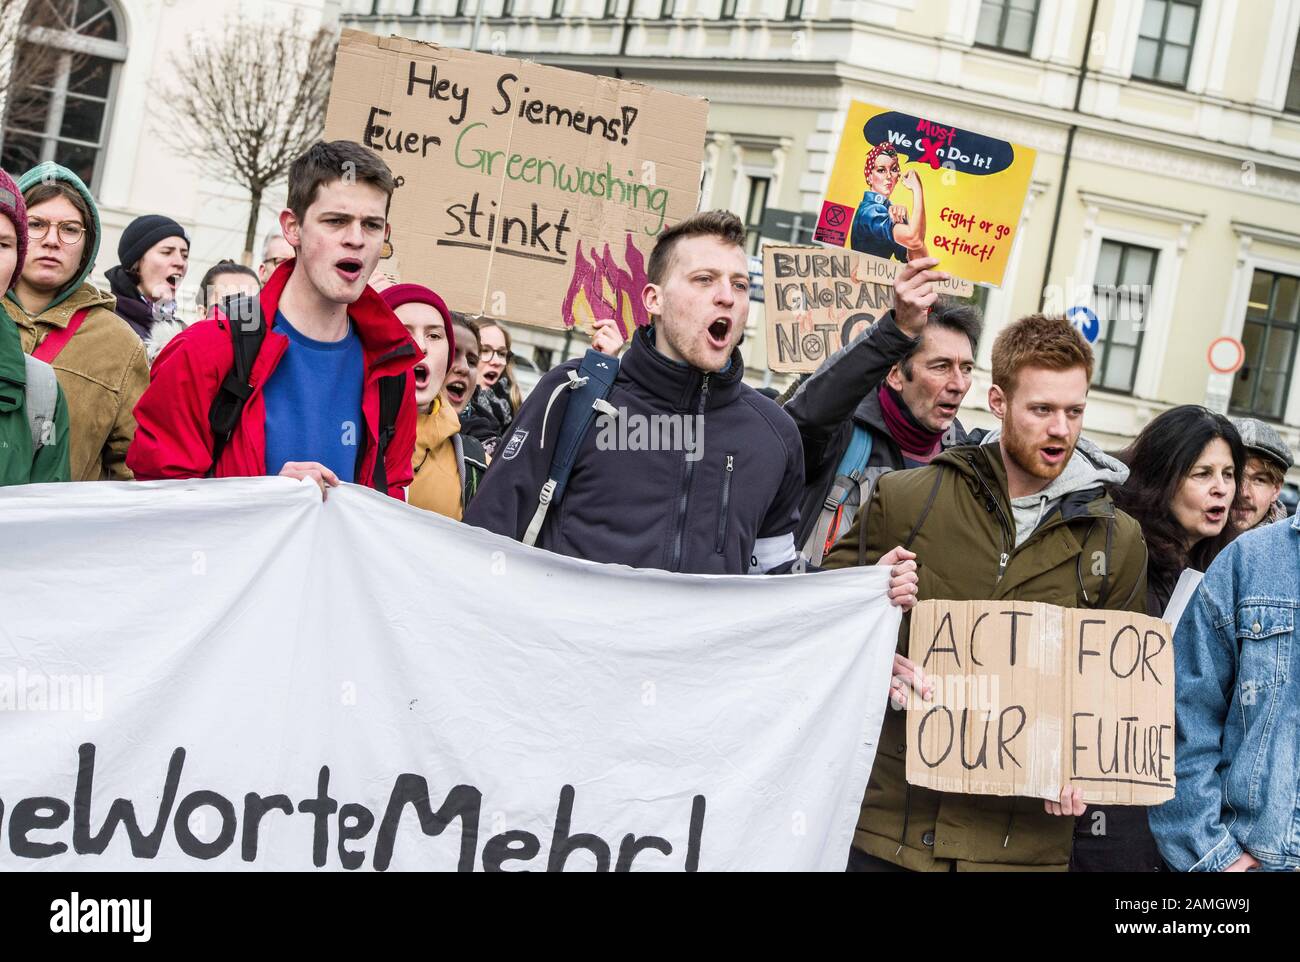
(854, 462)
(590, 385)
(848, 475)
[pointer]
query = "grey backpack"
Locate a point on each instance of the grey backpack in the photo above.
(42, 399)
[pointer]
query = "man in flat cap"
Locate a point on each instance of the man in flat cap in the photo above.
(1267, 459)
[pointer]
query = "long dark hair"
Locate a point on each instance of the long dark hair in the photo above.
(1158, 461)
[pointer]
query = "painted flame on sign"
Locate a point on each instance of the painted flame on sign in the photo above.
(601, 288)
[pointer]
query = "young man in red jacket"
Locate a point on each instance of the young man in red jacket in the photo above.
(313, 409)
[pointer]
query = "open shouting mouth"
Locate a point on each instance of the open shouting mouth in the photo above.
(1053, 453)
(421, 376)
(349, 269)
(457, 391)
(719, 333)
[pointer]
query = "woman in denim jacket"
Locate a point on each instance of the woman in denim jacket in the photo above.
(1237, 752)
(1183, 471)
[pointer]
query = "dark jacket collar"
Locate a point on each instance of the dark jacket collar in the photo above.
(131, 306)
(678, 385)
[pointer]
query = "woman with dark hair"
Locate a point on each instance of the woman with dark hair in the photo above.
(1183, 471)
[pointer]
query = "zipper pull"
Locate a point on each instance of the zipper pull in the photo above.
(730, 461)
(1002, 564)
(704, 393)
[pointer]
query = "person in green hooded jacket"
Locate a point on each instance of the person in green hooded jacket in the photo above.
(33, 410)
(67, 322)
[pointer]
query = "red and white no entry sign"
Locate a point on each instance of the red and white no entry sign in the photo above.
(1226, 355)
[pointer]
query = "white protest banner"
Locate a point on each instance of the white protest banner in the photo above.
(232, 674)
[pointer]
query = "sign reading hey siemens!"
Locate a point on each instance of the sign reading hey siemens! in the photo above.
(527, 193)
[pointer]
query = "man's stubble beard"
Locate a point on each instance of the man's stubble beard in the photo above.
(1025, 454)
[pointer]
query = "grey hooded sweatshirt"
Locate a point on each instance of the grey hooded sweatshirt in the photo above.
(1089, 467)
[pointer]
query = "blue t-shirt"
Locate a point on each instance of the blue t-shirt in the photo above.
(313, 402)
(873, 229)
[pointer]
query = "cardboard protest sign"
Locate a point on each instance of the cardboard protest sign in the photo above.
(526, 193)
(817, 300)
(903, 184)
(1030, 697)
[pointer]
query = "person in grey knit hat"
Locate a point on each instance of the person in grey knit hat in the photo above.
(1268, 457)
(153, 256)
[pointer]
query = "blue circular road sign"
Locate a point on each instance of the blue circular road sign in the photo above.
(1086, 321)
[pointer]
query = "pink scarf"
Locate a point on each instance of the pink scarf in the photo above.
(916, 442)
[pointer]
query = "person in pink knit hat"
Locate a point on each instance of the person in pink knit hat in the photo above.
(447, 464)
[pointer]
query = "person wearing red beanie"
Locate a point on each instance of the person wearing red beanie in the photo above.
(447, 465)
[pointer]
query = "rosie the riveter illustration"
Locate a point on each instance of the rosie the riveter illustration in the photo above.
(885, 229)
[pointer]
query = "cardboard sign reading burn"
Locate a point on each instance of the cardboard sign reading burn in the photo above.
(526, 193)
(1029, 697)
(817, 300)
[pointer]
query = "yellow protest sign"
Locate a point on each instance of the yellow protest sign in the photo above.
(906, 186)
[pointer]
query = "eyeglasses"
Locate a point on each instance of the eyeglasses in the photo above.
(70, 231)
(492, 354)
(274, 262)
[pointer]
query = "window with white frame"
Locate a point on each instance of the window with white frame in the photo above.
(1121, 287)
(63, 82)
(1007, 25)
(1292, 104)
(1165, 39)
(728, 11)
(754, 210)
(794, 9)
(1261, 387)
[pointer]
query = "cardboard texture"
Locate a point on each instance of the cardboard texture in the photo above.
(816, 300)
(945, 192)
(528, 194)
(1029, 697)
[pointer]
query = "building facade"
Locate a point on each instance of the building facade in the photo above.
(103, 115)
(1168, 138)
(1164, 192)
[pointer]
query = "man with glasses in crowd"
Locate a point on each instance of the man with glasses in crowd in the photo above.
(275, 251)
(71, 325)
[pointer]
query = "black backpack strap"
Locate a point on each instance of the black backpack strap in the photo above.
(391, 391)
(925, 511)
(247, 331)
(916, 528)
(473, 466)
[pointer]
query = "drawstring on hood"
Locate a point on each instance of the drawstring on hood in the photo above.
(50, 171)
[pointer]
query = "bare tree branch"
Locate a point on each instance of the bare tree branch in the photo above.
(249, 99)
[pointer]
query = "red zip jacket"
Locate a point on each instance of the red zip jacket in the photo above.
(173, 438)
